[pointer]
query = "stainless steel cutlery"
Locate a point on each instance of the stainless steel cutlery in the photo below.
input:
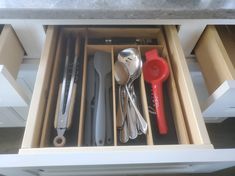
(66, 94)
(127, 69)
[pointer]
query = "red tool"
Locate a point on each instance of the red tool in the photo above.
(156, 71)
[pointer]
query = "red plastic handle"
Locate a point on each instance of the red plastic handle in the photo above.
(152, 54)
(159, 107)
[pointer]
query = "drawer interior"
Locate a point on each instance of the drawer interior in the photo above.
(185, 127)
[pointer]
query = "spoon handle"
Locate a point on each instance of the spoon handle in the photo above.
(143, 124)
(131, 119)
(159, 107)
(119, 116)
(124, 133)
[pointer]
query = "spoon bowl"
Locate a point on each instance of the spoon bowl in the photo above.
(132, 59)
(121, 73)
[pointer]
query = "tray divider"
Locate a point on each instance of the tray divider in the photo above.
(52, 95)
(114, 100)
(82, 106)
(176, 106)
(149, 135)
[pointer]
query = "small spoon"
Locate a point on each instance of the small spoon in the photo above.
(122, 76)
(131, 58)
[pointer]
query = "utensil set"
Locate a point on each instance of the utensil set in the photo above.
(98, 121)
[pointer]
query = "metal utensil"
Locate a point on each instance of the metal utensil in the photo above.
(137, 104)
(143, 124)
(131, 120)
(64, 110)
(124, 133)
(102, 64)
(132, 60)
(119, 116)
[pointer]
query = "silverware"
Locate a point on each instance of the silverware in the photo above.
(132, 60)
(127, 70)
(143, 125)
(121, 76)
(137, 104)
(119, 116)
(124, 133)
(131, 120)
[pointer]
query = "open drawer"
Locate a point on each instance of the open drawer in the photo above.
(215, 55)
(187, 119)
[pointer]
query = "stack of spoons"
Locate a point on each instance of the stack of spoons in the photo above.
(127, 69)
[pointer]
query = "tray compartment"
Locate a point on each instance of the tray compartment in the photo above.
(90, 51)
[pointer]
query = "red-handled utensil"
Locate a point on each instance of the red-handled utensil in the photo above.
(156, 71)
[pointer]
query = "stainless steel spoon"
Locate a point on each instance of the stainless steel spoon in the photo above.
(122, 76)
(132, 60)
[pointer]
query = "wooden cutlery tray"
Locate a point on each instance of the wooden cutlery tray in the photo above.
(185, 117)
